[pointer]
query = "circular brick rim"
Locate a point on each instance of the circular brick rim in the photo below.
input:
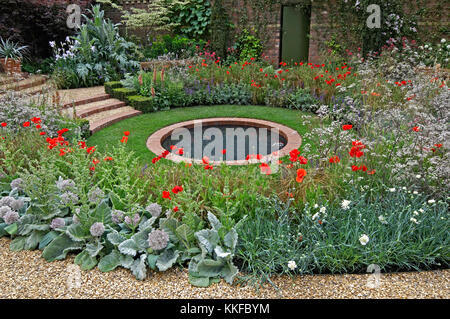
(294, 140)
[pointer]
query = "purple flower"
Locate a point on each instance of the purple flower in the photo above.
(97, 229)
(11, 217)
(57, 223)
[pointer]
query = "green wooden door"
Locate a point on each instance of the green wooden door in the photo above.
(295, 35)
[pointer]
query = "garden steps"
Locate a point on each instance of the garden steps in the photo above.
(106, 118)
(88, 109)
(96, 106)
(23, 85)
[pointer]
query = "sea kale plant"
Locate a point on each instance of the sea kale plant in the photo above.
(96, 54)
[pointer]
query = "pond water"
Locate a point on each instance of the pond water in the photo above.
(238, 141)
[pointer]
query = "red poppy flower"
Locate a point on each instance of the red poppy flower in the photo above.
(301, 173)
(166, 195)
(156, 159)
(302, 160)
(416, 129)
(265, 168)
(177, 189)
(36, 120)
(224, 152)
(208, 167)
(180, 151)
(355, 152)
(165, 153)
(92, 168)
(126, 133)
(124, 139)
(438, 145)
(3, 124)
(38, 126)
(371, 172)
(172, 147)
(95, 161)
(108, 158)
(355, 168)
(205, 160)
(26, 124)
(175, 209)
(334, 159)
(90, 149)
(347, 127)
(42, 133)
(64, 130)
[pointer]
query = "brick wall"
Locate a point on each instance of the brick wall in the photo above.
(320, 24)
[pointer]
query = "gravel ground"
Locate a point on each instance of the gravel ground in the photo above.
(27, 275)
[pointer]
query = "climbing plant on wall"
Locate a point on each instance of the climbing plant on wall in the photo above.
(219, 28)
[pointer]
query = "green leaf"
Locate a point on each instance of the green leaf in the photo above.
(169, 225)
(47, 239)
(94, 249)
(151, 260)
(229, 272)
(33, 240)
(59, 247)
(76, 232)
(230, 239)
(2, 229)
(115, 238)
(18, 243)
(129, 247)
(138, 268)
(210, 267)
(110, 261)
(208, 239)
(103, 212)
(85, 261)
(167, 259)
(202, 282)
(215, 223)
(185, 233)
(11, 229)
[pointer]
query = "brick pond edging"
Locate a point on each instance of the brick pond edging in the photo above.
(294, 140)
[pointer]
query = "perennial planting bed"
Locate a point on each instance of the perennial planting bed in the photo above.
(367, 188)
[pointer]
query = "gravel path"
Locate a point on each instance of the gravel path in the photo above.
(27, 275)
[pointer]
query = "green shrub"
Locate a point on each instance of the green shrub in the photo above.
(123, 93)
(141, 103)
(109, 86)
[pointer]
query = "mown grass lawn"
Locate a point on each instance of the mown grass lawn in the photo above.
(141, 127)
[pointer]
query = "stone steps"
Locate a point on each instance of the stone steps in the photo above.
(23, 85)
(100, 110)
(88, 109)
(107, 118)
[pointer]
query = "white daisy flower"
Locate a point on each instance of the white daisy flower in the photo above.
(364, 239)
(292, 264)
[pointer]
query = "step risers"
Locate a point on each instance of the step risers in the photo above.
(18, 86)
(97, 125)
(96, 98)
(98, 109)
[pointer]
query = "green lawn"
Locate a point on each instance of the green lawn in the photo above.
(141, 127)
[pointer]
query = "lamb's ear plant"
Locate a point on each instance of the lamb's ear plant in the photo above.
(215, 261)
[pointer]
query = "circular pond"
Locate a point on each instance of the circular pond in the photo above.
(235, 141)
